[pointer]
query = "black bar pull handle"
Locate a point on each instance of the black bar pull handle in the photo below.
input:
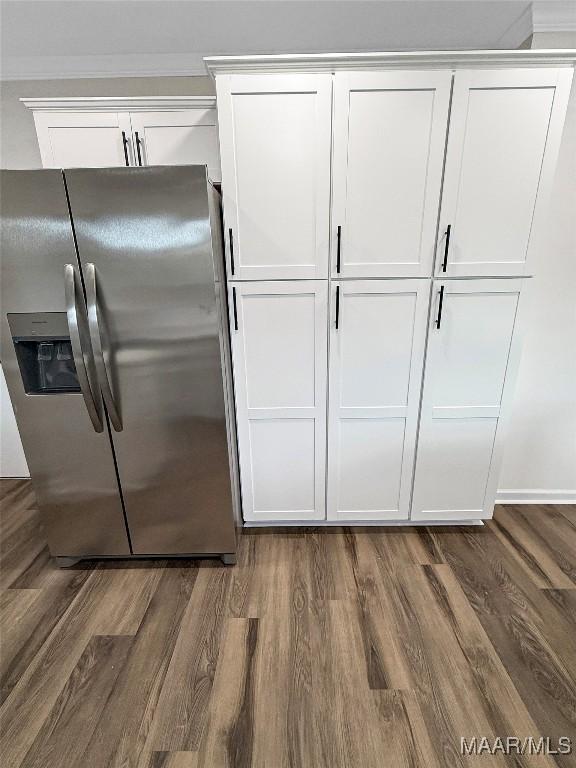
(446, 247)
(338, 241)
(138, 142)
(231, 239)
(125, 145)
(337, 306)
(440, 302)
(234, 308)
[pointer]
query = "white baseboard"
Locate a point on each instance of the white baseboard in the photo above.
(535, 496)
(356, 523)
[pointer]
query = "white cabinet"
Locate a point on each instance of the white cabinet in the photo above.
(98, 132)
(377, 338)
(505, 130)
(279, 350)
(389, 138)
(385, 181)
(178, 137)
(84, 139)
(275, 143)
(471, 361)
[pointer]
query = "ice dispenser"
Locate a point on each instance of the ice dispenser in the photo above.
(44, 352)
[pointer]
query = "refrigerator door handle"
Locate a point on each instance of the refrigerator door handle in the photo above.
(77, 326)
(102, 372)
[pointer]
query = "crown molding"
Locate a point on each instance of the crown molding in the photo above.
(64, 67)
(331, 62)
(119, 103)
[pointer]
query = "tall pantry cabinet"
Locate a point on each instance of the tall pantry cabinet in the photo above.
(378, 213)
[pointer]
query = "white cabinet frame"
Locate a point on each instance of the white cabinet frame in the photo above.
(202, 121)
(451, 259)
(86, 125)
(403, 363)
(314, 412)
(128, 115)
(471, 430)
(419, 184)
(254, 265)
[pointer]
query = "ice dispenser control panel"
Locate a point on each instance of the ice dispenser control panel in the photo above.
(44, 352)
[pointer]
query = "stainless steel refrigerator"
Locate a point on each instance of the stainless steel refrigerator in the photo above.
(116, 356)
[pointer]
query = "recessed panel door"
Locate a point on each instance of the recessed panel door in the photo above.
(275, 143)
(179, 137)
(377, 336)
(84, 139)
(505, 131)
(279, 355)
(389, 139)
(471, 361)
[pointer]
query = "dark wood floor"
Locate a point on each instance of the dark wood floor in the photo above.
(322, 648)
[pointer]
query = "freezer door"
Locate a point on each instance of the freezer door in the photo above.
(47, 362)
(144, 242)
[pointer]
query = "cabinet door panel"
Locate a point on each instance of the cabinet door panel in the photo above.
(279, 350)
(280, 366)
(471, 363)
(389, 138)
(376, 357)
(505, 131)
(83, 139)
(275, 143)
(179, 137)
(283, 464)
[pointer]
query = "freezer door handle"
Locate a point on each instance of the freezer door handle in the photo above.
(79, 333)
(100, 348)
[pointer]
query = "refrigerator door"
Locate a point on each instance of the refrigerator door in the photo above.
(47, 361)
(144, 241)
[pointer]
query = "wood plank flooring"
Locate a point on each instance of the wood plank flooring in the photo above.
(322, 648)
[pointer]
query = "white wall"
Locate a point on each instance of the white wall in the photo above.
(540, 455)
(12, 460)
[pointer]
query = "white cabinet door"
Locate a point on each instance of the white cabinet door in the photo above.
(279, 350)
(505, 130)
(377, 338)
(471, 363)
(84, 139)
(389, 139)
(275, 146)
(178, 137)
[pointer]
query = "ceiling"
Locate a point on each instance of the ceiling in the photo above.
(81, 38)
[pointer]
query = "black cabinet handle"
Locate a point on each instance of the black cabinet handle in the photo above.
(440, 302)
(234, 308)
(337, 305)
(446, 247)
(125, 145)
(231, 239)
(138, 142)
(338, 240)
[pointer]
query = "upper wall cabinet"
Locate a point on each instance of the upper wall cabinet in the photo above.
(389, 138)
(95, 132)
(275, 146)
(179, 137)
(505, 131)
(83, 139)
